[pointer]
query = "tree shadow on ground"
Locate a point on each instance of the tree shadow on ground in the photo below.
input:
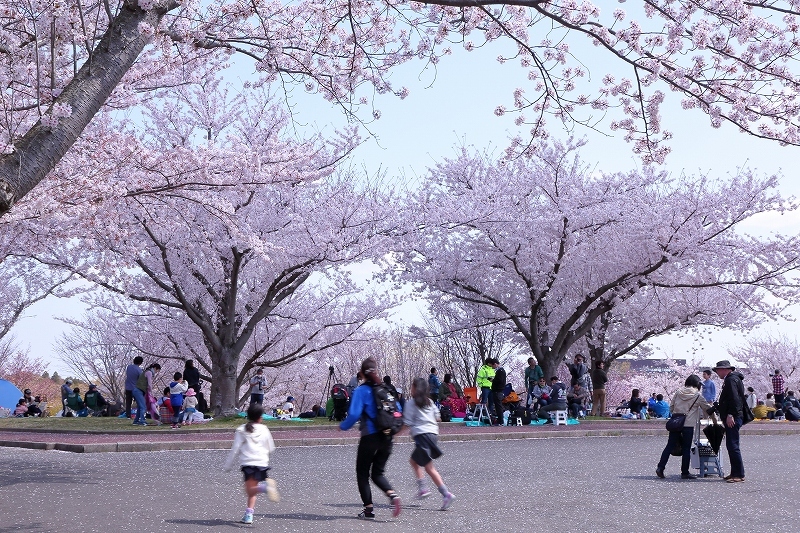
(47, 473)
(35, 526)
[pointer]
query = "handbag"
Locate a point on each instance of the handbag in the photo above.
(677, 420)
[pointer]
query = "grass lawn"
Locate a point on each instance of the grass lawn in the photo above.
(106, 424)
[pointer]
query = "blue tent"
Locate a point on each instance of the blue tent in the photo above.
(9, 394)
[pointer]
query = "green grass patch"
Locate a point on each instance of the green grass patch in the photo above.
(107, 424)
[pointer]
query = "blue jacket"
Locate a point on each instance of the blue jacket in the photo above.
(362, 402)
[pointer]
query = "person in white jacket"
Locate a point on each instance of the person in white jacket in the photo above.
(252, 444)
(421, 416)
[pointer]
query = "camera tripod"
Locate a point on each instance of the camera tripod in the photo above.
(326, 392)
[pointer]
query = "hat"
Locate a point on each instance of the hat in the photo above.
(26, 391)
(68, 382)
(92, 386)
(191, 392)
(290, 399)
(724, 364)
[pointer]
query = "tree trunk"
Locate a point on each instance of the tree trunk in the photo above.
(41, 148)
(224, 387)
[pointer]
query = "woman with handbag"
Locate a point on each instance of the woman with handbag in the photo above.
(688, 403)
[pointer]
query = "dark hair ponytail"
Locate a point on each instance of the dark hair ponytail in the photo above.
(421, 397)
(254, 413)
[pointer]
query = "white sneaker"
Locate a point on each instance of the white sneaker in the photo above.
(247, 518)
(447, 500)
(272, 490)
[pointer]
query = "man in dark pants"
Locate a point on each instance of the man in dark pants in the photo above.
(731, 412)
(374, 447)
(498, 386)
(132, 373)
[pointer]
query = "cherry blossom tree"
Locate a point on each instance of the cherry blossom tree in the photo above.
(463, 340)
(761, 354)
(23, 282)
(96, 351)
(550, 247)
(222, 222)
(61, 62)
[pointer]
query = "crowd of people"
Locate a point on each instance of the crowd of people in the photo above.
(30, 405)
(182, 401)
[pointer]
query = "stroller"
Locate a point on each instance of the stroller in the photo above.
(341, 401)
(705, 451)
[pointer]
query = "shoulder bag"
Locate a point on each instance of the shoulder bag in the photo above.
(677, 420)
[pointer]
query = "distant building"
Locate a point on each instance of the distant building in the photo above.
(649, 365)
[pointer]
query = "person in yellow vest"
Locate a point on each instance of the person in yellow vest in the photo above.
(484, 379)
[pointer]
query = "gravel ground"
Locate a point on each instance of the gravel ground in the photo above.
(567, 484)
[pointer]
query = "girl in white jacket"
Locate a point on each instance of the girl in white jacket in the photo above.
(422, 417)
(252, 444)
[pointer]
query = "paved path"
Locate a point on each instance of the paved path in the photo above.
(196, 438)
(563, 484)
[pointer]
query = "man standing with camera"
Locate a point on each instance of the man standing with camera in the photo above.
(731, 412)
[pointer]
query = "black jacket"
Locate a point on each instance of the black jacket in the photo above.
(732, 396)
(499, 381)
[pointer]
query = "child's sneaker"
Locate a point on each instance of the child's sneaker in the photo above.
(247, 518)
(366, 514)
(272, 490)
(423, 493)
(447, 500)
(396, 507)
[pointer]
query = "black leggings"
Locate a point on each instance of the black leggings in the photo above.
(373, 452)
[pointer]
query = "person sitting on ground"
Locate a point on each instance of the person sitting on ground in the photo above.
(449, 388)
(761, 411)
(75, 403)
(165, 406)
(453, 397)
(558, 399)
(770, 400)
(288, 406)
(313, 413)
(790, 400)
(651, 403)
(21, 410)
(27, 396)
(35, 408)
(661, 407)
(541, 393)
(636, 405)
(94, 401)
(576, 400)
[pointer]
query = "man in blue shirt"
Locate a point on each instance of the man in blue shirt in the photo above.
(661, 408)
(374, 447)
(709, 391)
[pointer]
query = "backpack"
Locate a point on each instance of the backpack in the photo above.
(446, 413)
(389, 420)
(339, 392)
(141, 382)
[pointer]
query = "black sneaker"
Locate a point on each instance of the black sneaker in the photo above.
(688, 476)
(366, 514)
(660, 472)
